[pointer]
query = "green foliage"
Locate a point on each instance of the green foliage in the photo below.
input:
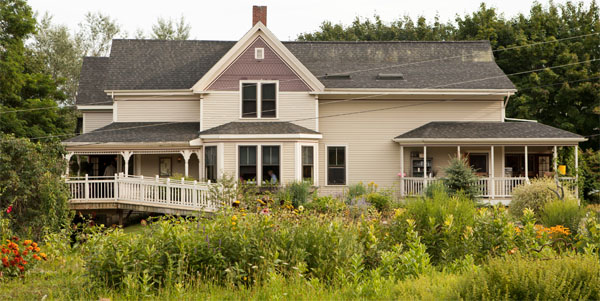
(355, 191)
(30, 181)
(411, 261)
(535, 195)
(460, 178)
(171, 29)
(296, 192)
(177, 177)
(566, 213)
(381, 201)
(590, 175)
(520, 278)
(326, 204)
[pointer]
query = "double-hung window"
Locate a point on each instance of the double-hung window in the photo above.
(308, 165)
(259, 100)
(336, 165)
(270, 164)
(210, 163)
(247, 162)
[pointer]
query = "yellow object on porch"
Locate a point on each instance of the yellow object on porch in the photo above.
(562, 169)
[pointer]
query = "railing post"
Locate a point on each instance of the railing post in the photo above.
(86, 188)
(424, 168)
(142, 190)
(116, 187)
(195, 194)
(492, 174)
(156, 196)
(401, 170)
(182, 192)
(168, 190)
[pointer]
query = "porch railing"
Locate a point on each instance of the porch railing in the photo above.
(158, 192)
(488, 187)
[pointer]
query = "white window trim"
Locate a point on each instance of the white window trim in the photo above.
(218, 163)
(258, 160)
(259, 98)
(327, 146)
(298, 161)
(257, 50)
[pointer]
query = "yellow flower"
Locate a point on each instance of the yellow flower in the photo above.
(243, 214)
(233, 223)
(234, 218)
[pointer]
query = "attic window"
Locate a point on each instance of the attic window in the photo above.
(337, 76)
(392, 76)
(259, 53)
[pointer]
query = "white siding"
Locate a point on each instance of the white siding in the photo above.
(224, 107)
(158, 110)
(371, 153)
(96, 120)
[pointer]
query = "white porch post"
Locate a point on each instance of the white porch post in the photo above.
(186, 156)
(401, 170)
(199, 155)
(492, 174)
(424, 166)
(78, 165)
(554, 150)
(526, 165)
(577, 173)
(458, 151)
(126, 156)
(68, 159)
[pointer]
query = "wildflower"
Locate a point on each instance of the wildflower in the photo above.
(243, 214)
(300, 208)
(9, 209)
(245, 278)
(36, 257)
(236, 202)
(30, 248)
(44, 256)
(34, 245)
(37, 249)
(233, 223)
(234, 218)
(27, 242)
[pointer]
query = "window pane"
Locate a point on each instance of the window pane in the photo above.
(336, 168)
(268, 91)
(307, 155)
(270, 155)
(210, 163)
(247, 162)
(268, 104)
(268, 109)
(270, 165)
(478, 162)
(249, 100)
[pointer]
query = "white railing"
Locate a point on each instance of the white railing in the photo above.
(490, 187)
(156, 191)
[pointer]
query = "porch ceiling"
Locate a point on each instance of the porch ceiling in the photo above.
(486, 133)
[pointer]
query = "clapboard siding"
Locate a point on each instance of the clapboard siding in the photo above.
(371, 153)
(158, 110)
(224, 107)
(96, 120)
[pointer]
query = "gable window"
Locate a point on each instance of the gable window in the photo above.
(259, 53)
(210, 163)
(247, 163)
(479, 163)
(336, 165)
(259, 100)
(270, 164)
(308, 163)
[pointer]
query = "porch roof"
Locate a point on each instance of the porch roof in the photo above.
(510, 132)
(139, 132)
(264, 129)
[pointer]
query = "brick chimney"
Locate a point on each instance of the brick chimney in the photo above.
(259, 13)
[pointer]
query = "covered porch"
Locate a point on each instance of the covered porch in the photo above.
(503, 154)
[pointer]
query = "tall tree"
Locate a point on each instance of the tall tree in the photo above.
(168, 29)
(97, 32)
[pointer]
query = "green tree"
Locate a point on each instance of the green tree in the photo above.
(460, 178)
(97, 32)
(30, 182)
(168, 29)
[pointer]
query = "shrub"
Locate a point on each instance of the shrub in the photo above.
(355, 191)
(326, 204)
(296, 192)
(460, 177)
(535, 196)
(381, 201)
(566, 213)
(590, 175)
(521, 278)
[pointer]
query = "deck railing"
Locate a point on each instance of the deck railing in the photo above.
(502, 187)
(167, 193)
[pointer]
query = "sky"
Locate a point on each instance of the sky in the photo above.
(229, 20)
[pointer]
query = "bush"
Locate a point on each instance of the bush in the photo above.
(355, 191)
(296, 192)
(535, 196)
(520, 278)
(460, 177)
(566, 213)
(326, 204)
(590, 175)
(381, 201)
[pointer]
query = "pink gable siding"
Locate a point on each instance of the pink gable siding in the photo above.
(246, 67)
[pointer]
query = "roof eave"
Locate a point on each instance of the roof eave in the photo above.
(260, 136)
(491, 141)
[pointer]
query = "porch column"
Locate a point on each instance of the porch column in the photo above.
(424, 166)
(492, 174)
(126, 155)
(67, 158)
(78, 165)
(401, 170)
(577, 173)
(199, 155)
(458, 151)
(526, 165)
(186, 156)
(554, 150)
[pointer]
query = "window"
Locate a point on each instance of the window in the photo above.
(336, 165)
(259, 53)
(478, 162)
(259, 100)
(247, 162)
(270, 164)
(249, 108)
(307, 163)
(268, 102)
(210, 163)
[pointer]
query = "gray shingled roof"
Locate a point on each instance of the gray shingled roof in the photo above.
(461, 130)
(254, 128)
(141, 132)
(92, 82)
(157, 64)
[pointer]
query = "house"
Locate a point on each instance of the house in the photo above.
(333, 113)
